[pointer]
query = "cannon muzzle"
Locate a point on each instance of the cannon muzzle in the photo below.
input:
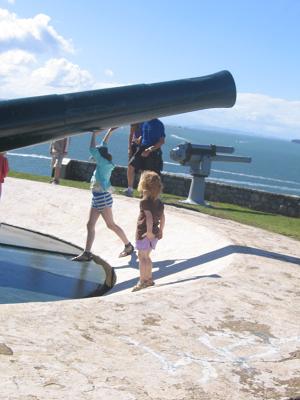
(33, 120)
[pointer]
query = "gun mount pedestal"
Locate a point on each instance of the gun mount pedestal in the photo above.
(199, 159)
(196, 193)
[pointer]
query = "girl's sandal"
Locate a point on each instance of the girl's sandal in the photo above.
(150, 282)
(139, 286)
(128, 249)
(85, 256)
(143, 285)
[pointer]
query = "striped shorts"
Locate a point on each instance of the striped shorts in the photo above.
(101, 200)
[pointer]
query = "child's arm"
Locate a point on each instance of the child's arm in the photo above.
(93, 139)
(161, 226)
(149, 224)
(108, 135)
(105, 139)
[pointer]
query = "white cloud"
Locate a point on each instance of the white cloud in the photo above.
(109, 72)
(14, 61)
(31, 34)
(62, 74)
(57, 75)
(21, 75)
(253, 113)
(107, 85)
(24, 69)
(11, 1)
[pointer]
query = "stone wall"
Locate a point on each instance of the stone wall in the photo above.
(180, 185)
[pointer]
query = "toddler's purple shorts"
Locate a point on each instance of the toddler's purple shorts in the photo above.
(146, 244)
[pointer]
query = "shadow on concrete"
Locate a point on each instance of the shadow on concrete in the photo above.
(190, 279)
(134, 262)
(169, 267)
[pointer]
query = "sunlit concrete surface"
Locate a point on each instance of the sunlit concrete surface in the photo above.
(222, 322)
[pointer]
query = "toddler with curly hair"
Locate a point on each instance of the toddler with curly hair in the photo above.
(150, 225)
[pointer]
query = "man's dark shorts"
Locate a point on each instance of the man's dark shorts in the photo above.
(153, 162)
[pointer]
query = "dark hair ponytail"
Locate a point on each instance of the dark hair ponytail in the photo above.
(104, 153)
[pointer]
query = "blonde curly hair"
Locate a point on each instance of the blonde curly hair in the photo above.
(150, 185)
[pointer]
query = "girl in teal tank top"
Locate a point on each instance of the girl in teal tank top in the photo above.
(102, 199)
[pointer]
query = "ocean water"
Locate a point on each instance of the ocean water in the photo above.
(275, 165)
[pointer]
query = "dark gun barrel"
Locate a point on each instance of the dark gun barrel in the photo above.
(33, 120)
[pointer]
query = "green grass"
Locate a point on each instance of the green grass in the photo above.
(271, 222)
(46, 179)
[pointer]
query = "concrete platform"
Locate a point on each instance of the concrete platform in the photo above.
(222, 322)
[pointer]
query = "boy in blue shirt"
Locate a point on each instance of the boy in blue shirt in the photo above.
(149, 155)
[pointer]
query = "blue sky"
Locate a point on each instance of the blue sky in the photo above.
(53, 46)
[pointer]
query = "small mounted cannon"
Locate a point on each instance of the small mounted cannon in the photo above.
(199, 159)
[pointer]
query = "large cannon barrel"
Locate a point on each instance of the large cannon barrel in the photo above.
(33, 120)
